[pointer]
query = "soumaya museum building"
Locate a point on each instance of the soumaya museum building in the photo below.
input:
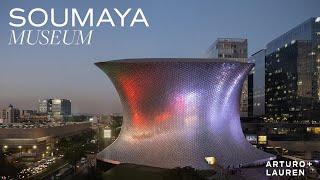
(180, 112)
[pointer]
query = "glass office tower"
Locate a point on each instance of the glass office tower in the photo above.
(293, 74)
(256, 85)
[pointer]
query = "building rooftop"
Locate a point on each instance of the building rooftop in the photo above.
(30, 126)
(167, 60)
(231, 39)
(302, 31)
(24, 131)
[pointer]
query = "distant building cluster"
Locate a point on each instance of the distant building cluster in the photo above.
(48, 110)
(55, 108)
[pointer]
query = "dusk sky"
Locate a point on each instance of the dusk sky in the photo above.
(181, 28)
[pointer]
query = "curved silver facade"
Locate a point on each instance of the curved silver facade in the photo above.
(179, 111)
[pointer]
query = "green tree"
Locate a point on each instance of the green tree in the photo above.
(7, 169)
(75, 147)
(74, 153)
(115, 125)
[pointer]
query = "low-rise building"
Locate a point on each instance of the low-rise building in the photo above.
(37, 138)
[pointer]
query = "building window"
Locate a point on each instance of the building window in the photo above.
(262, 139)
(210, 160)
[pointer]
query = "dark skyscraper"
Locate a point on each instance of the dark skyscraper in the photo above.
(256, 89)
(308, 30)
(293, 74)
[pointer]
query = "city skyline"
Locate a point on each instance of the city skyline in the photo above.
(28, 74)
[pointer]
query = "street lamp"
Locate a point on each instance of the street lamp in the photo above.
(35, 148)
(20, 147)
(5, 147)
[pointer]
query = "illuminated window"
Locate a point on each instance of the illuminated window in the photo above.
(317, 130)
(262, 139)
(313, 130)
(210, 160)
(107, 133)
(252, 139)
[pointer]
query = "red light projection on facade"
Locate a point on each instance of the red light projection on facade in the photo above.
(136, 88)
(162, 117)
(133, 91)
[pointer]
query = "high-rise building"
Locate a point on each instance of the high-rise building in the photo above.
(56, 108)
(235, 49)
(10, 114)
(256, 85)
(291, 91)
(229, 48)
(293, 74)
(45, 106)
(308, 30)
(61, 108)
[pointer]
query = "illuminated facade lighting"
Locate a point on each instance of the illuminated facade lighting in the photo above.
(180, 112)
